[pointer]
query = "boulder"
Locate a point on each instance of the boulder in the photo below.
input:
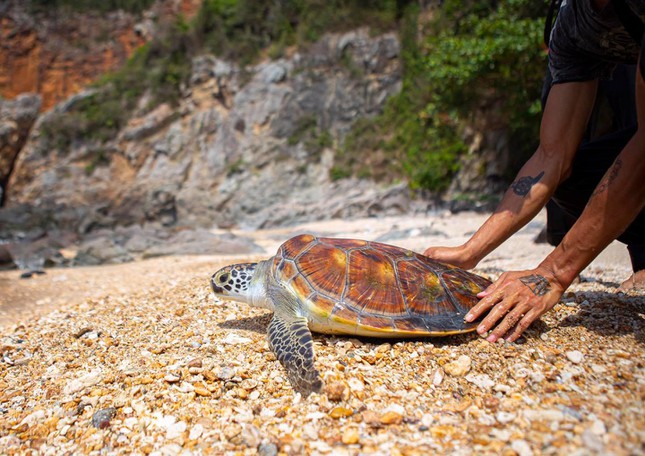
(16, 119)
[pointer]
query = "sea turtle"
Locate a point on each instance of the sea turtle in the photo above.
(348, 286)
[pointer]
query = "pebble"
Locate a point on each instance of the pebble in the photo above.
(598, 427)
(593, 442)
(575, 356)
(521, 447)
(226, 373)
(504, 417)
(340, 412)
(544, 415)
(350, 436)
(459, 367)
(371, 418)
(391, 417)
(483, 381)
(437, 376)
(175, 429)
(355, 385)
(267, 449)
(34, 417)
(502, 388)
(598, 369)
(196, 362)
(337, 391)
(202, 391)
(88, 379)
(101, 419)
(251, 436)
(234, 339)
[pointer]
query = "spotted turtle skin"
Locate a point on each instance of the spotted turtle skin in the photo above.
(350, 286)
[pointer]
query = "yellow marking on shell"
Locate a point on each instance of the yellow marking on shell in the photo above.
(320, 306)
(394, 333)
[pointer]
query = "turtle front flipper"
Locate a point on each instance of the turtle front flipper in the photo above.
(290, 340)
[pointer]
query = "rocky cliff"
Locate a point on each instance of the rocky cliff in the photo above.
(243, 145)
(56, 52)
(247, 147)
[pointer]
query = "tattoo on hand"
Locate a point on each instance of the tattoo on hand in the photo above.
(537, 284)
(611, 176)
(523, 185)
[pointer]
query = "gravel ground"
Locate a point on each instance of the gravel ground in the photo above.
(141, 359)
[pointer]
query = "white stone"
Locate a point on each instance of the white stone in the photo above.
(196, 432)
(437, 377)
(396, 408)
(544, 415)
(234, 339)
(427, 419)
(130, 422)
(33, 417)
(502, 388)
(481, 380)
(355, 384)
(575, 356)
(598, 427)
(501, 434)
(521, 447)
(505, 417)
(84, 381)
(175, 430)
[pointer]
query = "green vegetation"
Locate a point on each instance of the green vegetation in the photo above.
(315, 139)
(472, 55)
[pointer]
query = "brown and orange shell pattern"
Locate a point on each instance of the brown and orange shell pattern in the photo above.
(377, 287)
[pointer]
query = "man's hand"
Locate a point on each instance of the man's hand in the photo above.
(456, 256)
(515, 301)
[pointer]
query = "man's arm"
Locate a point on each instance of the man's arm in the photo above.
(519, 298)
(564, 121)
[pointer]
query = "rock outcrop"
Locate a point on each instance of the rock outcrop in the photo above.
(247, 147)
(16, 119)
(56, 52)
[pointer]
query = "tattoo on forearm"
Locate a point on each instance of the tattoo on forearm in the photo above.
(537, 284)
(523, 185)
(611, 176)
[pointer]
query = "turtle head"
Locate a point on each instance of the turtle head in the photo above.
(244, 282)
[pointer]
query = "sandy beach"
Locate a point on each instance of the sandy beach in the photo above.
(140, 358)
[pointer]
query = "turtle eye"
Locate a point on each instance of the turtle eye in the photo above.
(223, 278)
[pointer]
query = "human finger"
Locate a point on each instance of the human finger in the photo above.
(482, 306)
(498, 311)
(522, 325)
(508, 323)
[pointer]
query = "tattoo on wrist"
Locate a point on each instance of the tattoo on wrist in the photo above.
(537, 284)
(524, 184)
(611, 176)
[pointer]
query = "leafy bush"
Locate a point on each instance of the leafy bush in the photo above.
(470, 56)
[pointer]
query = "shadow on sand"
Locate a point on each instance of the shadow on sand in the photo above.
(609, 314)
(260, 323)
